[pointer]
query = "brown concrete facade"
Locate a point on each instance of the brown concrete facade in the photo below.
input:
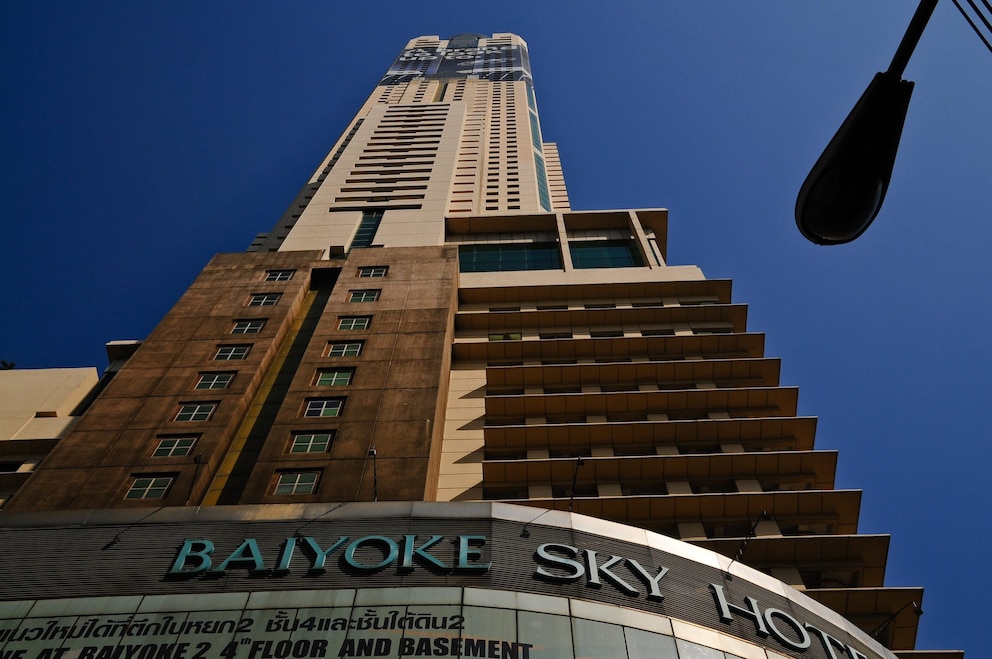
(257, 329)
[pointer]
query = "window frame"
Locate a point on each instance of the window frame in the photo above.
(294, 486)
(217, 377)
(323, 404)
(248, 326)
(163, 451)
(351, 320)
(363, 295)
(297, 440)
(279, 275)
(584, 258)
(335, 374)
(373, 271)
(263, 299)
(153, 484)
(345, 345)
(232, 352)
(195, 412)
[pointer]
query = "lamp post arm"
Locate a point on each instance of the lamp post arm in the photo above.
(911, 38)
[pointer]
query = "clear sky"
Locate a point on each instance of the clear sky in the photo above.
(140, 138)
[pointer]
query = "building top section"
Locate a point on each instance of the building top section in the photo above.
(498, 58)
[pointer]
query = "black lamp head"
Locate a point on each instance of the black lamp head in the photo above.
(845, 189)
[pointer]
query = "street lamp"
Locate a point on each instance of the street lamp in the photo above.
(844, 191)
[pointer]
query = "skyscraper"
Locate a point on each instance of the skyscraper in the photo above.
(429, 321)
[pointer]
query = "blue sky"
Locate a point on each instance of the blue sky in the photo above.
(142, 138)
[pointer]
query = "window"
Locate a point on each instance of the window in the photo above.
(712, 330)
(373, 271)
(312, 442)
(345, 348)
(505, 336)
(263, 299)
(169, 447)
(149, 487)
(279, 275)
(297, 482)
(604, 253)
(354, 322)
(195, 411)
(248, 326)
(658, 332)
(231, 353)
(504, 257)
(214, 380)
(367, 228)
(323, 407)
(334, 378)
(369, 295)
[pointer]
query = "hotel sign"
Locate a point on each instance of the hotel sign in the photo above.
(496, 62)
(553, 563)
(292, 589)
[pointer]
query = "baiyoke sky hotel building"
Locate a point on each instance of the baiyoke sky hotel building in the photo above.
(437, 412)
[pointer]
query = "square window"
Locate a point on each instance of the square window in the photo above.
(368, 295)
(345, 348)
(297, 482)
(174, 446)
(263, 299)
(373, 271)
(214, 380)
(248, 326)
(354, 322)
(312, 442)
(323, 407)
(334, 378)
(195, 411)
(149, 487)
(231, 353)
(279, 275)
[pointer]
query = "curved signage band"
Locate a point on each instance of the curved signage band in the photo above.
(392, 580)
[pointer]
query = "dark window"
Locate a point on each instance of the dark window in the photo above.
(312, 442)
(345, 348)
(505, 257)
(373, 271)
(354, 322)
(323, 407)
(505, 336)
(369, 295)
(366, 229)
(214, 380)
(604, 254)
(334, 377)
(297, 482)
(248, 326)
(279, 275)
(174, 446)
(263, 299)
(231, 353)
(195, 411)
(149, 487)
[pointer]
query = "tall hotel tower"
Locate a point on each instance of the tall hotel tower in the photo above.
(333, 425)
